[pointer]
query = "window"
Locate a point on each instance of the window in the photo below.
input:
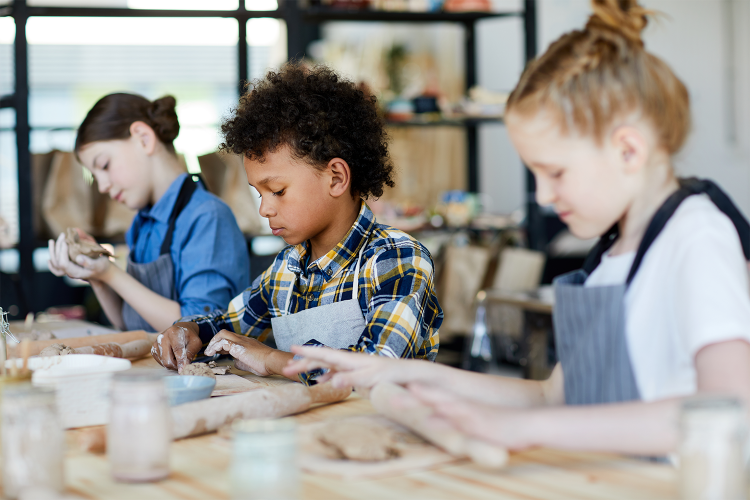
(266, 41)
(75, 61)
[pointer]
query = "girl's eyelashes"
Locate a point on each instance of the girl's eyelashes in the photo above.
(275, 193)
(556, 174)
(105, 166)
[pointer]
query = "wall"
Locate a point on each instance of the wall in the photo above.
(707, 44)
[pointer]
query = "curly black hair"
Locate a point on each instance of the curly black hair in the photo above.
(319, 116)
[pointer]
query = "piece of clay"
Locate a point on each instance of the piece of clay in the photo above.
(57, 350)
(77, 246)
(35, 335)
(199, 369)
(349, 440)
(219, 370)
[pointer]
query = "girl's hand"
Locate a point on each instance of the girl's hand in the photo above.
(509, 428)
(85, 268)
(249, 354)
(361, 370)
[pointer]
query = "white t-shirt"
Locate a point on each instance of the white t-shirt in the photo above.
(690, 291)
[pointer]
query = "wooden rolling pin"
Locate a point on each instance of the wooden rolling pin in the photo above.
(130, 350)
(36, 346)
(200, 417)
(415, 418)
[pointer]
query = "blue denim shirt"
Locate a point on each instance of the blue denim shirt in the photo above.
(209, 252)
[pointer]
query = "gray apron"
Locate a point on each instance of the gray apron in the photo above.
(589, 322)
(157, 276)
(338, 325)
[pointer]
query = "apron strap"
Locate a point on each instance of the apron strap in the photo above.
(183, 198)
(688, 187)
(355, 283)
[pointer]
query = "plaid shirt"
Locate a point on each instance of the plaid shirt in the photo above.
(397, 295)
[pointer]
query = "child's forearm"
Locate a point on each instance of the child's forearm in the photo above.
(111, 303)
(480, 387)
(634, 428)
(160, 312)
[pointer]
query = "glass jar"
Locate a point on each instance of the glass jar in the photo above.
(139, 433)
(712, 451)
(264, 460)
(32, 442)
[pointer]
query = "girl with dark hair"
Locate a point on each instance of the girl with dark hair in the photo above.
(187, 254)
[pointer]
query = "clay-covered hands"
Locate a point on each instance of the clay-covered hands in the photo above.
(177, 346)
(249, 354)
(84, 268)
(505, 427)
(360, 370)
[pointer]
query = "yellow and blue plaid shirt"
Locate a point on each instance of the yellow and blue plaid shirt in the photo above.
(397, 294)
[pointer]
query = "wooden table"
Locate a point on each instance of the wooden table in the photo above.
(200, 471)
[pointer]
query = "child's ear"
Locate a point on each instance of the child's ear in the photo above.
(341, 177)
(632, 148)
(144, 136)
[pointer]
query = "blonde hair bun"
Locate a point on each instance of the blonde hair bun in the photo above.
(625, 17)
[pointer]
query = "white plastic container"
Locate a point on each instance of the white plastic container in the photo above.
(82, 383)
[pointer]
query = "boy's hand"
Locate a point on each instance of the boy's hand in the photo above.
(177, 346)
(249, 354)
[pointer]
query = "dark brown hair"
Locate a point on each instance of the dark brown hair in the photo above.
(319, 116)
(590, 77)
(112, 116)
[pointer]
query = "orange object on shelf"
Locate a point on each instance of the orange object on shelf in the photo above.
(467, 6)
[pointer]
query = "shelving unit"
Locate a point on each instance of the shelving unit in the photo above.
(319, 14)
(302, 28)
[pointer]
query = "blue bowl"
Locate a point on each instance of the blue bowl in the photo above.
(186, 388)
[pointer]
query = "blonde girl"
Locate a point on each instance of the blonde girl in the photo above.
(661, 310)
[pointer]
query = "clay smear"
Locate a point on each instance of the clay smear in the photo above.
(57, 350)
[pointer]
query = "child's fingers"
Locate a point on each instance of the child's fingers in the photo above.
(296, 366)
(432, 395)
(217, 345)
(352, 379)
(324, 378)
(341, 359)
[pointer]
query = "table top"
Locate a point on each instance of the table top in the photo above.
(200, 470)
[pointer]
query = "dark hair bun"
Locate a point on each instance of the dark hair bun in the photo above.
(163, 118)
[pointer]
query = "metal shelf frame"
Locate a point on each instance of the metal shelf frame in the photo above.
(303, 27)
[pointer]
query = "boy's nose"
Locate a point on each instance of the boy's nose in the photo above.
(266, 210)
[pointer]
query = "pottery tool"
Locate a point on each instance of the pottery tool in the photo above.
(416, 417)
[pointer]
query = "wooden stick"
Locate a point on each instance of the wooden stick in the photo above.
(3, 355)
(200, 417)
(25, 350)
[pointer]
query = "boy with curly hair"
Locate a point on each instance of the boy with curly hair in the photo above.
(315, 148)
